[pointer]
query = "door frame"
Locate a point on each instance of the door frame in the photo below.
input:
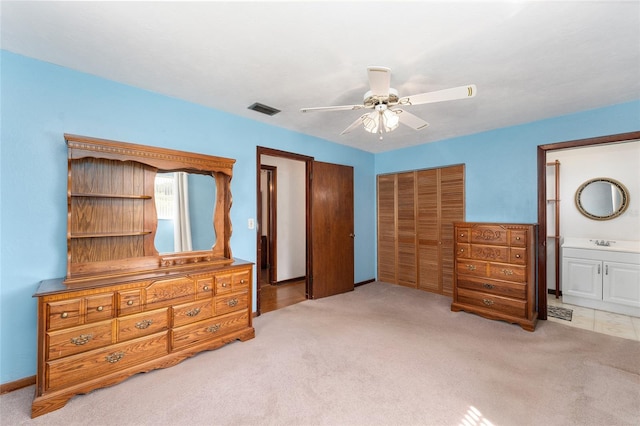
(260, 150)
(272, 217)
(542, 202)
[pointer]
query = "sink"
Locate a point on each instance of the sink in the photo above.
(602, 244)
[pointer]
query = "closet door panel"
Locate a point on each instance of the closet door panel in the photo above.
(387, 228)
(406, 225)
(428, 230)
(451, 210)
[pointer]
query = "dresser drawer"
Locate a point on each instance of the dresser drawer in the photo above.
(208, 329)
(99, 307)
(231, 303)
(204, 288)
(489, 234)
(129, 301)
(79, 339)
(501, 288)
(508, 272)
(82, 367)
(233, 281)
(499, 304)
(490, 253)
(138, 325)
(64, 314)
(192, 312)
(171, 291)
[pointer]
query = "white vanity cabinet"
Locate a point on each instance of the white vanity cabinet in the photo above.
(605, 278)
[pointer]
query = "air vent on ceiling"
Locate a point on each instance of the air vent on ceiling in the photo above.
(265, 109)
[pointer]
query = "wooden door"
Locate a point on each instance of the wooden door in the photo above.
(332, 229)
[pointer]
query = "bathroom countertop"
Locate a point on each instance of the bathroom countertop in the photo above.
(590, 244)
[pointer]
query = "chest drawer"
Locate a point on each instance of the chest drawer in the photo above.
(490, 253)
(231, 303)
(208, 329)
(508, 272)
(492, 302)
(501, 288)
(489, 234)
(138, 325)
(192, 312)
(76, 368)
(518, 238)
(79, 339)
(204, 288)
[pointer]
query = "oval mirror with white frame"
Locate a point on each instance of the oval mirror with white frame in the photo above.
(602, 198)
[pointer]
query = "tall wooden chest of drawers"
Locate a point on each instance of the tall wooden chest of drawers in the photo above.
(98, 335)
(495, 271)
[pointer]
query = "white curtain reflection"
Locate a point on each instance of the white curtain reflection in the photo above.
(182, 223)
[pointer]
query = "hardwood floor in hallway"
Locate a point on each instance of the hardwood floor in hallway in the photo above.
(273, 297)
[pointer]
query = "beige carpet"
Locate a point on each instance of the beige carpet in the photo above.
(381, 355)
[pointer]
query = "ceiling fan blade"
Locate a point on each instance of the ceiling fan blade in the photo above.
(379, 80)
(355, 124)
(408, 119)
(452, 94)
(333, 108)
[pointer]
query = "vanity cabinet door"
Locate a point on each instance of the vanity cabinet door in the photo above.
(582, 277)
(621, 283)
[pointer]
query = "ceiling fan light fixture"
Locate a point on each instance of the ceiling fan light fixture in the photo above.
(371, 122)
(390, 120)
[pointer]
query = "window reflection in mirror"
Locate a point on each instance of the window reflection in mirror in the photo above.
(602, 198)
(185, 204)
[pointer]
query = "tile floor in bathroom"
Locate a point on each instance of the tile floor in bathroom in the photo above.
(599, 321)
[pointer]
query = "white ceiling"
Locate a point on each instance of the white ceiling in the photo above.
(530, 60)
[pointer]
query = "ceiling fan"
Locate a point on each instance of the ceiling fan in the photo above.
(387, 106)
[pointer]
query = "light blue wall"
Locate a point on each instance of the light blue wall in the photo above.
(41, 101)
(501, 165)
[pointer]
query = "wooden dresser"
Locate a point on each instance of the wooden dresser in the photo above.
(124, 308)
(495, 273)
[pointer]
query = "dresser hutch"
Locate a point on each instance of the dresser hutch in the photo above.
(124, 308)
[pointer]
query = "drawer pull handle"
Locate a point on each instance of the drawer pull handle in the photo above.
(205, 288)
(517, 238)
(114, 357)
(129, 302)
(232, 302)
(517, 256)
(507, 271)
(471, 267)
(462, 235)
(100, 309)
(213, 328)
(487, 285)
(64, 315)
(241, 281)
(81, 339)
(144, 324)
(193, 312)
(224, 284)
(487, 302)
